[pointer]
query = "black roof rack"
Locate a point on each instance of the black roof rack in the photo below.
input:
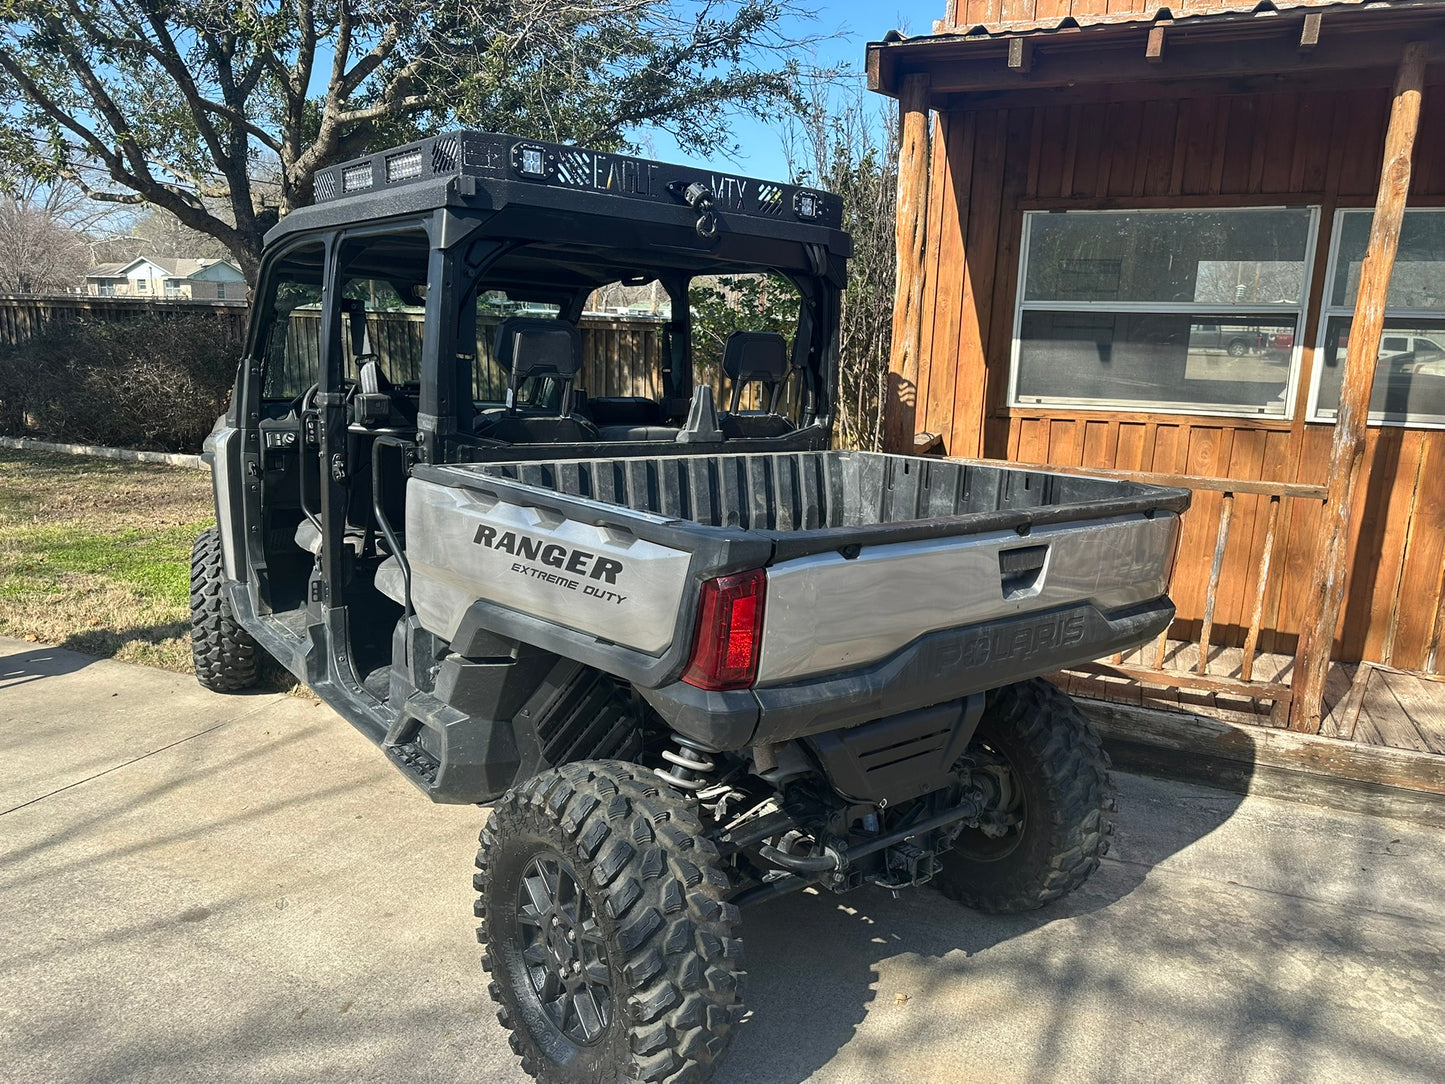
(488, 156)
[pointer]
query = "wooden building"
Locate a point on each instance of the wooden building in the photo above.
(1133, 238)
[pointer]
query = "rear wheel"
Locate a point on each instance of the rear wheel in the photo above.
(224, 653)
(1046, 824)
(613, 954)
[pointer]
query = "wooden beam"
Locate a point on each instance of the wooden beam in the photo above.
(1020, 55)
(967, 67)
(1325, 596)
(1216, 568)
(1154, 47)
(1262, 760)
(901, 406)
(1036, 92)
(1261, 586)
(1181, 679)
(1310, 33)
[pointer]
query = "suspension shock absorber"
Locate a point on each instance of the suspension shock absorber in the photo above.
(690, 765)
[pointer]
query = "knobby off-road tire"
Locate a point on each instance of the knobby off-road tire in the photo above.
(225, 654)
(605, 851)
(1051, 776)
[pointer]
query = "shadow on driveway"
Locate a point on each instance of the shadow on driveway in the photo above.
(820, 967)
(37, 663)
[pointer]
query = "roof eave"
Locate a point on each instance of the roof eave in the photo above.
(1215, 45)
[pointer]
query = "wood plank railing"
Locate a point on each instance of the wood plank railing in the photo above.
(1150, 666)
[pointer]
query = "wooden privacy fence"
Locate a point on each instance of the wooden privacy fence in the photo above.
(620, 356)
(22, 318)
(1228, 581)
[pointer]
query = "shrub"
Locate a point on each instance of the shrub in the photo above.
(147, 383)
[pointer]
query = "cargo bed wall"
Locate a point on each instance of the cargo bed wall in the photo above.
(807, 491)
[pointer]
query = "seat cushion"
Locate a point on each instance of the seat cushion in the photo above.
(390, 581)
(308, 537)
(624, 410)
(638, 432)
(519, 428)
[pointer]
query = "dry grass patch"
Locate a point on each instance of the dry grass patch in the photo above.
(95, 554)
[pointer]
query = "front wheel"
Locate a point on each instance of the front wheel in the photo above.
(224, 653)
(1046, 823)
(613, 953)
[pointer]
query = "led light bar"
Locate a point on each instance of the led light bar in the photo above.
(357, 178)
(403, 167)
(479, 159)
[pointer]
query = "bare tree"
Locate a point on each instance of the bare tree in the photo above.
(849, 146)
(43, 245)
(181, 103)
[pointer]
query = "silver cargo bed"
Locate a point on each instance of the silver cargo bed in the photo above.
(865, 554)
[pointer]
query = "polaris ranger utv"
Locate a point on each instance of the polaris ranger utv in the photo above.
(691, 657)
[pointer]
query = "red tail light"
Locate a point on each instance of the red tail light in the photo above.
(729, 632)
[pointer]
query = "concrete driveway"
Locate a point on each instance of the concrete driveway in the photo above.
(204, 888)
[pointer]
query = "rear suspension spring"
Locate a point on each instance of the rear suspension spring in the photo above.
(689, 766)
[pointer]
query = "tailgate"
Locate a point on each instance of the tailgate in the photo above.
(832, 611)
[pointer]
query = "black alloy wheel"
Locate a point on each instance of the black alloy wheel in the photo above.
(612, 948)
(563, 949)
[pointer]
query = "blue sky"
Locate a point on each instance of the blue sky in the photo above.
(848, 27)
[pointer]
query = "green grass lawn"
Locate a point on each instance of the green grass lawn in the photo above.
(95, 555)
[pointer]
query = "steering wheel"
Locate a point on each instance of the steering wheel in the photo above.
(307, 399)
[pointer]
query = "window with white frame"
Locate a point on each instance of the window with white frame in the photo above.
(1179, 311)
(1410, 373)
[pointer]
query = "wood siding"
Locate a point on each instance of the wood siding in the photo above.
(1119, 149)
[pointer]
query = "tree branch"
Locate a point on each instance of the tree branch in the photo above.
(383, 49)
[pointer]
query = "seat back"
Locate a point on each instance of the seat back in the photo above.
(529, 346)
(538, 346)
(756, 357)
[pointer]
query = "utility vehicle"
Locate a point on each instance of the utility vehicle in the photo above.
(691, 657)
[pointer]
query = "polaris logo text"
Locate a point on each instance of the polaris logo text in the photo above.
(578, 562)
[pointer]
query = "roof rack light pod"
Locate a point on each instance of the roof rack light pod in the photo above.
(403, 166)
(357, 178)
(530, 160)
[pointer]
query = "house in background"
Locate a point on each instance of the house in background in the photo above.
(168, 278)
(1131, 239)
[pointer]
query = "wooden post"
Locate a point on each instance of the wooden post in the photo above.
(1326, 591)
(911, 232)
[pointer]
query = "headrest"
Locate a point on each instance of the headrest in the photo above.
(755, 355)
(531, 345)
